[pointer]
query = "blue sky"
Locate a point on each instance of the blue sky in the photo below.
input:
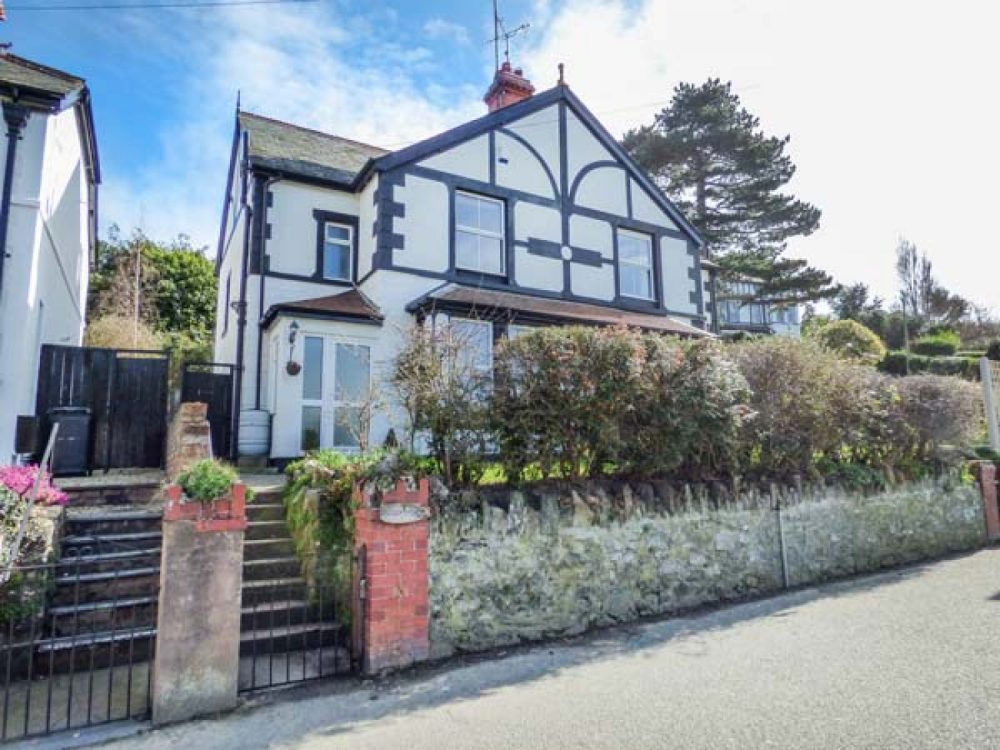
(892, 120)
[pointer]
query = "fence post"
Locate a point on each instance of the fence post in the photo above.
(990, 398)
(393, 531)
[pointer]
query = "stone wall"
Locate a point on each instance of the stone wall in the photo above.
(513, 566)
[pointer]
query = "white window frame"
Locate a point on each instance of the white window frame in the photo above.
(632, 264)
(328, 401)
(340, 243)
(480, 232)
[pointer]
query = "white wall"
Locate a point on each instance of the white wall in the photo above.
(43, 298)
(677, 283)
(424, 224)
(292, 247)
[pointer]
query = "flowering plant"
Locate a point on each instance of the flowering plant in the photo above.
(20, 480)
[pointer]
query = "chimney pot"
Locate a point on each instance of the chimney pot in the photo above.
(508, 87)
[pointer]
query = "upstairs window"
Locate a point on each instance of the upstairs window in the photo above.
(479, 234)
(635, 264)
(338, 243)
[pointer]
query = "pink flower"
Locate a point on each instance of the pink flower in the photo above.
(21, 479)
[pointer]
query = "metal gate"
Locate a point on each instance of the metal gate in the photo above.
(125, 392)
(299, 629)
(212, 383)
(76, 643)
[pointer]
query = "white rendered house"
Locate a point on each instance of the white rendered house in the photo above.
(48, 225)
(329, 250)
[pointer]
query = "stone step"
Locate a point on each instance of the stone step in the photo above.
(273, 590)
(128, 612)
(302, 637)
(96, 650)
(267, 530)
(256, 549)
(266, 615)
(257, 511)
(104, 586)
(270, 568)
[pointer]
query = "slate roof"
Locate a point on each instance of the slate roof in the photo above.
(284, 147)
(16, 71)
(556, 310)
(351, 304)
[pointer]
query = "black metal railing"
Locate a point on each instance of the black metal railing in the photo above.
(77, 639)
(296, 624)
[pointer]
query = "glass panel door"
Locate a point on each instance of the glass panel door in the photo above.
(336, 386)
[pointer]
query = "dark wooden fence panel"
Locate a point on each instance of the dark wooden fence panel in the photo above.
(212, 383)
(126, 393)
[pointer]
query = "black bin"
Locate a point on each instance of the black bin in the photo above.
(72, 448)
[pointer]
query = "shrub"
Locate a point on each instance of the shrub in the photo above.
(691, 401)
(207, 480)
(943, 414)
(943, 343)
(446, 398)
(993, 350)
(895, 363)
(20, 480)
(561, 397)
(852, 341)
(121, 332)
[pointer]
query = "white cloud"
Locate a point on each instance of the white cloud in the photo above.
(439, 28)
(890, 125)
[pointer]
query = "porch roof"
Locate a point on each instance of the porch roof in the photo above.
(351, 305)
(543, 309)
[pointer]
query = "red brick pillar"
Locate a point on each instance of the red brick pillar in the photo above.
(991, 510)
(393, 612)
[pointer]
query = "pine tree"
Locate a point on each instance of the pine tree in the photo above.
(710, 156)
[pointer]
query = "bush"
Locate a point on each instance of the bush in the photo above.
(993, 350)
(943, 343)
(21, 479)
(895, 363)
(207, 480)
(851, 341)
(447, 399)
(121, 332)
(943, 416)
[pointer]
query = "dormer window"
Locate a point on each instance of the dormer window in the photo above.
(337, 251)
(635, 264)
(480, 240)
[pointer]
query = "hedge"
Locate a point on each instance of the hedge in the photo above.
(894, 363)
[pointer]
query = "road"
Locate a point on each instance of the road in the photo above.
(907, 659)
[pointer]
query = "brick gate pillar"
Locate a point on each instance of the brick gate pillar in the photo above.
(991, 510)
(393, 527)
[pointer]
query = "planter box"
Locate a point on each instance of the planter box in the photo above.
(224, 514)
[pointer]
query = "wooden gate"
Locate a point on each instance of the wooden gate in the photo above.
(212, 383)
(124, 390)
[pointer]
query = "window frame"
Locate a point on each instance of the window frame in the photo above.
(329, 403)
(345, 221)
(479, 232)
(651, 268)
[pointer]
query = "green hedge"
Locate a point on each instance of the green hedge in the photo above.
(962, 367)
(940, 344)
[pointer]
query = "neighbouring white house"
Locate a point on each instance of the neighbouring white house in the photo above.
(48, 225)
(330, 249)
(733, 307)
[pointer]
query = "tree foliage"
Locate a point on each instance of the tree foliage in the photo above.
(851, 341)
(710, 155)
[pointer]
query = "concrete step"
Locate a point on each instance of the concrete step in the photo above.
(106, 561)
(257, 511)
(103, 586)
(89, 617)
(112, 542)
(302, 637)
(112, 522)
(284, 612)
(97, 650)
(267, 530)
(271, 568)
(273, 590)
(256, 549)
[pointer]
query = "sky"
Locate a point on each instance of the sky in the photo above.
(891, 105)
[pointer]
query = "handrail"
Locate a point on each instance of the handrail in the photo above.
(46, 462)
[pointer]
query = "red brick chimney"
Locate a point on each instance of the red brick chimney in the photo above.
(508, 87)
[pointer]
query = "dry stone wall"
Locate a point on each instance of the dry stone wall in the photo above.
(511, 566)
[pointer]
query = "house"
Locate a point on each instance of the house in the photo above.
(733, 308)
(330, 249)
(48, 225)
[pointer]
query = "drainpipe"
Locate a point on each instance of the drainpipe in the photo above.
(241, 312)
(16, 118)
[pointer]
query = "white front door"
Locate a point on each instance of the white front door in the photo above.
(336, 383)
